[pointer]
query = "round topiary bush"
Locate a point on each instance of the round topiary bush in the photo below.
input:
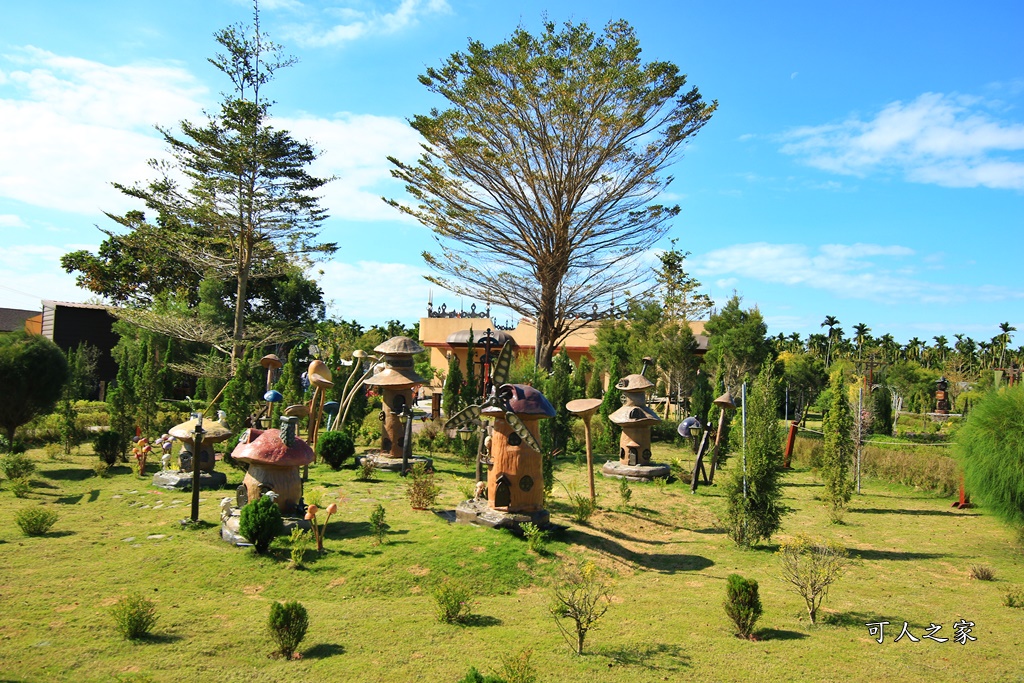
(260, 521)
(35, 521)
(288, 624)
(335, 448)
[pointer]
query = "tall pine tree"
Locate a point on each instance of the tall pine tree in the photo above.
(837, 455)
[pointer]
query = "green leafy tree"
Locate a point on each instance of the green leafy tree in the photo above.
(236, 201)
(990, 447)
(580, 373)
(881, 411)
(121, 398)
(540, 178)
(34, 371)
(595, 388)
(737, 343)
(244, 390)
(838, 451)
(470, 392)
(754, 492)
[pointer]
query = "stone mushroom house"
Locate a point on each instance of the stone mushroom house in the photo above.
(213, 432)
(635, 419)
(396, 381)
(275, 457)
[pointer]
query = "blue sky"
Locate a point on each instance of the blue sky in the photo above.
(866, 160)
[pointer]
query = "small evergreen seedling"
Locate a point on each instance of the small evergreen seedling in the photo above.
(288, 624)
(625, 493)
(378, 525)
(259, 522)
(421, 489)
(16, 465)
(35, 521)
(535, 536)
(742, 604)
(453, 602)
(134, 616)
(21, 487)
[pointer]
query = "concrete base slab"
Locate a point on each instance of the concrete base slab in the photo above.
(617, 470)
(182, 481)
(229, 528)
(477, 511)
(382, 462)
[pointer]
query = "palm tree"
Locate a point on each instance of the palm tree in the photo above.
(941, 346)
(830, 322)
(861, 331)
(890, 348)
(1006, 329)
(913, 348)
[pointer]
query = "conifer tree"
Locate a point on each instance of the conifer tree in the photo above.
(839, 449)
(451, 396)
(753, 492)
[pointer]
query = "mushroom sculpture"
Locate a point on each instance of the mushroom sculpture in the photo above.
(515, 481)
(396, 381)
(635, 419)
(214, 432)
(274, 457)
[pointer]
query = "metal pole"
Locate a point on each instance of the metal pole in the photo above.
(590, 457)
(787, 403)
(197, 440)
(860, 426)
(407, 439)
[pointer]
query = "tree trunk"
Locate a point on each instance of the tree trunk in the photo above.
(238, 332)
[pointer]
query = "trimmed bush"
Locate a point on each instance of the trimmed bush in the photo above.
(421, 490)
(378, 525)
(742, 604)
(288, 623)
(134, 616)
(474, 676)
(453, 604)
(108, 446)
(35, 521)
(16, 465)
(21, 487)
(259, 522)
(982, 572)
(335, 448)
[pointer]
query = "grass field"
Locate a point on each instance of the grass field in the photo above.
(372, 614)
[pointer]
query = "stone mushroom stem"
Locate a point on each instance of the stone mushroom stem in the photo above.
(285, 481)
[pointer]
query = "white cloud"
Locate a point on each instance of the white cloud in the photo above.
(355, 148)
(354, 24)
(855, 271)
(31, 273)
(948, 140)
(373, 292)
(71, 126)
(9, 220)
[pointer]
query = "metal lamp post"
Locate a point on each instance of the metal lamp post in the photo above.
(197, 450)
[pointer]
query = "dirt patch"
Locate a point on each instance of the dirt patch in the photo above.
(340, 581)
(66, 608)
(107, 602)
(479, 549)
(417, 570)
(253, 590)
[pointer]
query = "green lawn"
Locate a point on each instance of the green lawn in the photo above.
(371, 612)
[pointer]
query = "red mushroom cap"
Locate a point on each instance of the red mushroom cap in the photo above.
(266, 448)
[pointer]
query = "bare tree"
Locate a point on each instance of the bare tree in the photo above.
(540, 180)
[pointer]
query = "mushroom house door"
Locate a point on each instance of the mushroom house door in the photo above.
(502, 492)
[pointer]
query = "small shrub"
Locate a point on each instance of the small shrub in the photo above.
(421, 490)
(35, 521)
(474, 676)
(101, 469)
(299, 543)
(580, 598)
(582, 505)
(16, 465)
(259, 522)
(812, 565)
(681, 470)
(314, 497)
(367, 466)
(625, 493)
(335, 448)
(452, 602)
(108, 446)
(742, 604)
(21, 487)
(134, 616)
(535, 536)
(982, 572)
(466, 487)
(54, 451)
(517, 668)
(1014, 597)
(378, 525)
(288, 623)
(371, 429)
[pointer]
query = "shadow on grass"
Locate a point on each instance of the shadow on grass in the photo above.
(935, 513)
(626, 537)
(474, 620)
(323, 651)
(779, 634)
(668, 563)
(862, 619)
(710, 530)
(862, 554)
(651, 656)
(71, 474)
(158, 639)
(58, 534)
(798, 484)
